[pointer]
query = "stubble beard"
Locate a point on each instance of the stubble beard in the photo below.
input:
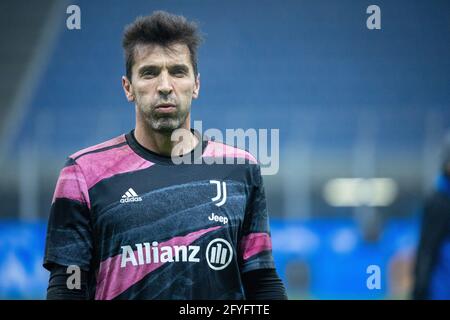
(164, 124)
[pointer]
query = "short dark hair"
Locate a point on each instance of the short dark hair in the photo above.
(161, 28)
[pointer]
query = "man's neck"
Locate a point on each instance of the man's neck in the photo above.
(161, 143)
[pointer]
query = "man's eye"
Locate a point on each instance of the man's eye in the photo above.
(148, 74)
(179, 73)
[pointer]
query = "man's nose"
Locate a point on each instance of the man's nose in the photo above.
(164, 86)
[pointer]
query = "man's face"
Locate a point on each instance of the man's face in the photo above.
(162, 85)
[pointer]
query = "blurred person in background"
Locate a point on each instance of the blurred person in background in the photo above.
(432, 269)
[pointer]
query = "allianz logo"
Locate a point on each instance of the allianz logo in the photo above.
(219, 254)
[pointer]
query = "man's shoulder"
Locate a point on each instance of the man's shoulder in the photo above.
(99, 148)
(217, 149)
(105, 160)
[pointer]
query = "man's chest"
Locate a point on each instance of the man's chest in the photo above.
(163, 205)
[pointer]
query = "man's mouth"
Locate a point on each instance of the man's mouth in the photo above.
(165, 108)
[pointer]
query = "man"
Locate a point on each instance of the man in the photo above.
(432, 269)
(142, 227)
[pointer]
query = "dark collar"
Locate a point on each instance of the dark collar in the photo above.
(166, 160)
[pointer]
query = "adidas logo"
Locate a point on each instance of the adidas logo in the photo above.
(130, 196)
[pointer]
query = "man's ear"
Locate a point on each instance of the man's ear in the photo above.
(128, 89)
(196, 87)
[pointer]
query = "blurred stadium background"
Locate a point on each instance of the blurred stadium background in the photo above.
(361, 115)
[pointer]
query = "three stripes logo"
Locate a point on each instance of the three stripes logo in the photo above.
(219, 254)
(221, 192)
(130, 196)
